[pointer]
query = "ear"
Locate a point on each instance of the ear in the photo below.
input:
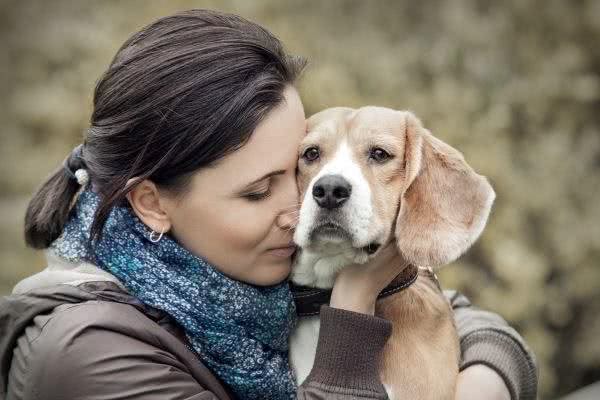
(444, 204)
(146, 202)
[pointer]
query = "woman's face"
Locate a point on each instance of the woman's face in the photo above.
(239, 214)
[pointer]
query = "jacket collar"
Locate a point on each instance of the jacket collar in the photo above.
(61, 271)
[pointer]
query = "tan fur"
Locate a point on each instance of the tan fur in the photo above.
(420, 359)
(436, 206)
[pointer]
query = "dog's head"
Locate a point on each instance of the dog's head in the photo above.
(370, 173)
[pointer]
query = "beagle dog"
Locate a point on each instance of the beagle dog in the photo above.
(368, 176)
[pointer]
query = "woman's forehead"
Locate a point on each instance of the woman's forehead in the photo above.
(272, 146)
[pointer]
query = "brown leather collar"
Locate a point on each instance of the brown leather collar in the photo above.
(309, 300)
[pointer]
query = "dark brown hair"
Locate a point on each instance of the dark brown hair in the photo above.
(179, 95)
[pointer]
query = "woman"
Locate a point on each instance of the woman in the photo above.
(168, 241)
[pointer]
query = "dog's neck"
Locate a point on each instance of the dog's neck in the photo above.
(318, 268)
(309, 300)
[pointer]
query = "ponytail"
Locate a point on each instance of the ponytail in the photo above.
(48, 210)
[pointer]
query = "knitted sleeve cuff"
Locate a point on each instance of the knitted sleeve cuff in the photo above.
(499, 351)
(348, 350)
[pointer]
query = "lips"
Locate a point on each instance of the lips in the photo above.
(330, 226)
(330, 229)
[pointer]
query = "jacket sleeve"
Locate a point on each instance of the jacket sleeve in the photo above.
(94, 359)
(347, 355)
(486, 338)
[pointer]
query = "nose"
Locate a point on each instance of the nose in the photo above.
(331, 191)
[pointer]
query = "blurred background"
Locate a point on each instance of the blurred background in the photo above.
(514, 85)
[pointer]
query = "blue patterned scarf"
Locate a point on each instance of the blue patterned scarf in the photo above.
(240, 331)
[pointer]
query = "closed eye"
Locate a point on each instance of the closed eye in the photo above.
(258, 196)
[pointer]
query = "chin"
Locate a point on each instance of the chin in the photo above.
(272, 273)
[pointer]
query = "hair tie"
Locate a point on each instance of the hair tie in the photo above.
(75, 160)
(82, 176)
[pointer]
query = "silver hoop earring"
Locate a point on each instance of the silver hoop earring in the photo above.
(155, 239)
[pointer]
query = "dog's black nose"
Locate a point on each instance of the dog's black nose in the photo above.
(331, 191)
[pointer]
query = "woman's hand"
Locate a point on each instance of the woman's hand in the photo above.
(480, 382)
(356, 287)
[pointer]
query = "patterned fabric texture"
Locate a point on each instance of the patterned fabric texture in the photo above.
(239, 331)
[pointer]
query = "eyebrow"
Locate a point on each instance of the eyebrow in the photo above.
(265, 176)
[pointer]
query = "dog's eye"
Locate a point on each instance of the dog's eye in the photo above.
(379, 155)
(311, 154)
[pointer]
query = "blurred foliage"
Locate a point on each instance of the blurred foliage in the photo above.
(514, 85)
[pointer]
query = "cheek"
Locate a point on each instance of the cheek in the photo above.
(386, 193)
(227, 235)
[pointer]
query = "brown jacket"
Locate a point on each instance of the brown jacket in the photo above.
(90, 339)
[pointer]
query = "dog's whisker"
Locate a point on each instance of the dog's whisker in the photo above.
(291, 212)
(293, 226)
(295, 221)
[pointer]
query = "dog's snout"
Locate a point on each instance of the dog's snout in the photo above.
(331, 191)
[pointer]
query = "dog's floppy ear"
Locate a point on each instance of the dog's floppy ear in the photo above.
(444, 204)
